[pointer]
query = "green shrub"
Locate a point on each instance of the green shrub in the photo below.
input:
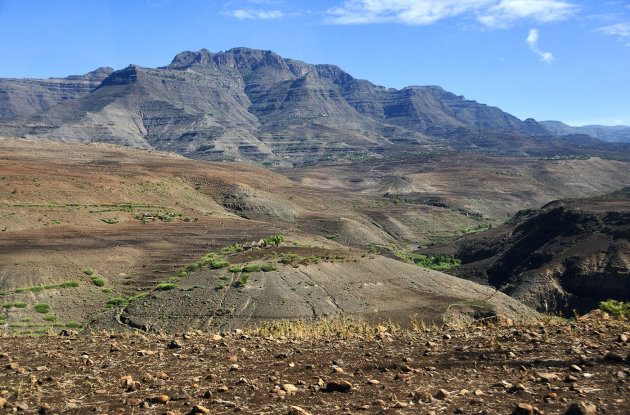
(437, 262)
(50, 317)
(74, 325)
(192, 267)
(267, 268)
(98, 281)
(225, 277)
(106, 290)
(165, 286)
(235, 268)
(88, 272)
(116, 301)
(274, 240)
(290, 259)
(251, 268)
(333, 236)
(69, 284)
(230, 249)
(219, 264)
(242, 281)
(15, 304)
(26, 319)
(615, 308)
(111, 221)
(42, 308)
(137, 297)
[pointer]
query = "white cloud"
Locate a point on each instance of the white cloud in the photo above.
(412, 12)
(242, 14)
(621, 30)
(493, 13)
(507, 11)
(532, 41)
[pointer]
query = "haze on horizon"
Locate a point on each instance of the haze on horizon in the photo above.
(564, 60)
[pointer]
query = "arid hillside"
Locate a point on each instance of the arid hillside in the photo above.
(91, 226)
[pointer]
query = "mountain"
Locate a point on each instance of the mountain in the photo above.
(616, 133)
(20, 98)
(254, 105)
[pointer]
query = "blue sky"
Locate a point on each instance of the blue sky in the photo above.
(547, 59)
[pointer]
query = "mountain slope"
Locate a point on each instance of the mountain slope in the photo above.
(24, 97)
(568, 255)
(253, 105)
(617, 133)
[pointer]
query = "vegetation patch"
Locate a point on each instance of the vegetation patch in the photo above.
(616, 308)
(137, 297)
(165, 286)
(235, 268)
(50, 318)
(42, 308)
(242, 281)
(333, 236)
(267, 268)
(251, 268)
(65, 284)
(116, 302)
(110, 221)
(274, 240)
(437, 262)
(15, 304)
(98, 281)
(473, 229)
(74, 325)
(219, 264)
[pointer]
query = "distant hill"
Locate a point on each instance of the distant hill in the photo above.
(256, 106)
(617, 133)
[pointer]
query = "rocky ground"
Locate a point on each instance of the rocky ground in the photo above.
(496, 368)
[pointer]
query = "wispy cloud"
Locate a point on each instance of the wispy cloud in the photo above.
(507, 11)
(492, 13)
(621, 30)
(532, 41)
(243, 14)
(412, 12)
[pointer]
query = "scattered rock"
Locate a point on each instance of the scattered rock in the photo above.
(338, 385)
(523, 409)
(161, 399)
(581, 408)
(296, 410)
(442, 394)
(198, 409)
(547, 377)
(615, 357)
(290, 389)
(174, 344)
(134, 401)
(45, 409)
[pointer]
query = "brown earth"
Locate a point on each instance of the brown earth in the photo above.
(67, 208)
(483, 369)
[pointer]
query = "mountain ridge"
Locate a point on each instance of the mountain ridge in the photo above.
(256, 106)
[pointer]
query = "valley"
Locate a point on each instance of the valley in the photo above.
(137, 219)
